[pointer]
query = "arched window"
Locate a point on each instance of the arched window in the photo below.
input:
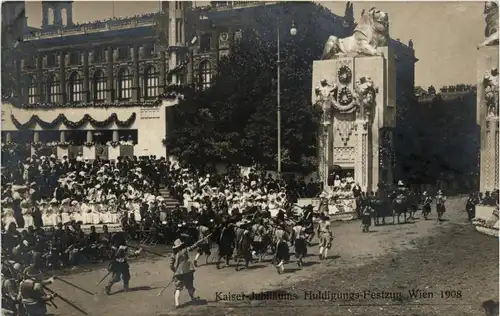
(64, 17)
(75, 87)
(99, 86)
(53, 89)
(151, 83)
(124, 84)
(205, 74)
(31, 90)
(50, 16)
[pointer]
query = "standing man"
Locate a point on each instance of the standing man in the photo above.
(119, 266)
(183, 270)
(440, 207)
(426, 204)
(325, 236)
(299, 242)
(282, 250)
(33, 297)
(204, 246)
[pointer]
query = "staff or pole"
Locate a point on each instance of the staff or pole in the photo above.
(278, 114)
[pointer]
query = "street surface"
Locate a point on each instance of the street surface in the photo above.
(448, 259)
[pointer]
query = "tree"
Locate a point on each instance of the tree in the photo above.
(234, 121)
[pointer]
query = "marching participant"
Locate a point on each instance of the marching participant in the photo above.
(203, 246)
(325, 236)
(426, 204)
(119, 266)
(243, 243)
(440, 207)
(33, 297)
(299, 241)
(226, 242)
(282, 250)
(183, 269)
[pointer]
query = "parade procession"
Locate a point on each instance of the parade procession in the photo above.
(264, 158)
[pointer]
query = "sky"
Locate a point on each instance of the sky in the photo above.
(444, 34)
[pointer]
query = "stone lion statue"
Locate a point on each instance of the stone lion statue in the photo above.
(365, 97)
(491, 30)
(371, 32)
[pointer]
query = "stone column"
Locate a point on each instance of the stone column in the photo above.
(110, 86)
(8, 137)
(163, 72)
(39, 79)
(36, 137)
(116, 136)
(89, 152)
(361, 168)
(135, 72)
(86, 90)
(489, 156)
(62, 75)
(114, 151)
(62, 151)
(90, 137)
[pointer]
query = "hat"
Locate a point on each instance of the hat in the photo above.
(440, 192)
(53, 201)
(53, 156)
(73, 203)
(177, 243)
(400, 182)
(65, 201)
(425, 193)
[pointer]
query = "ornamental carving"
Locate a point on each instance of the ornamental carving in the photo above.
(344, 74)
(365, 98)
(491, 19)
(334, 98)
(490, 85)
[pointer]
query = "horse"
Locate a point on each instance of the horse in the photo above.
(400, 206)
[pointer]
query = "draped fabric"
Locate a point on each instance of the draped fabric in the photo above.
(61, 119)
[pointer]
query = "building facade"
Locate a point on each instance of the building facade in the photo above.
(129, 62)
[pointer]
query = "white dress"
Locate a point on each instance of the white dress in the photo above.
(65, 217)
(47, 217)
(96, 216)
(28, 219)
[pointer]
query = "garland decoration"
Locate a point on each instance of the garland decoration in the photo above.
(344, 74)
(61, 119)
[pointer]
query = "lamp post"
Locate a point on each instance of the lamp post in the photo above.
(293, 32)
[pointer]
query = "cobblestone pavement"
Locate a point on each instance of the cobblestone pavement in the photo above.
(448, 259)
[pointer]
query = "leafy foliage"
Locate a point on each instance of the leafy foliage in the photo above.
(235, 120)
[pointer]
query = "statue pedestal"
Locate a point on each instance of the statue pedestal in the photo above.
(353, 137)
(488, 122)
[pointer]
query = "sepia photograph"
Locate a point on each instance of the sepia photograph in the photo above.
(249, 158)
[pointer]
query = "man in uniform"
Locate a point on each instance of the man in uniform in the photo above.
(440, 207)
(226, 242)
(258, 232)
(10, 290)
(325, 236)
(243, 243)
(119, 266)
(183, 270)
(299, 242)
(33, 297)
(34, 270)
(426, 204)
(282, 251)
(204, 246)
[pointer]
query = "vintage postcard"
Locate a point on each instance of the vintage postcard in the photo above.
(241, 158)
